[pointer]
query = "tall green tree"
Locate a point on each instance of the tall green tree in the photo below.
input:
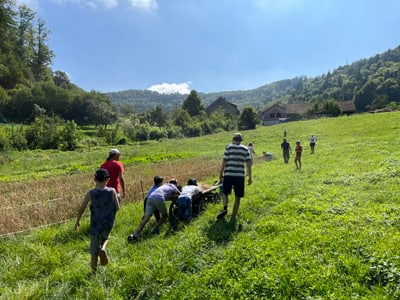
(19, 106)
(193, 105)
(10, 69)
(42, 54)
(25, 38)
(181, 118)
(69, 136)
(248, 119)
(157, 116)
(99, 110)
(61, 79)
(331, 108)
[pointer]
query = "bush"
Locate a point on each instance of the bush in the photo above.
(138, 132)
(17, 139)
(121, 141)
(69, 136)
(156, 133)
(193, 130)
(43, 134)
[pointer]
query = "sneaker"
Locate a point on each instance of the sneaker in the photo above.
(155, 231)
(103, 257)
(132, 238)
(222, 214)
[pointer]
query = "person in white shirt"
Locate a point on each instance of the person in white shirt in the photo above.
(312, 140)
(185, 200)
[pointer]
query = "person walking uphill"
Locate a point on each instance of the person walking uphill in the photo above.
(116, 170)
(232, 175)
(312, 141)
(298, 150)
(250, 147)
(285, 146)
(104, 205)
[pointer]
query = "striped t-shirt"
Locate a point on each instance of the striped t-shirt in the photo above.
(235, 157)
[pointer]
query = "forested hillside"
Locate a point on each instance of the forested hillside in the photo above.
(29, 88)
(372, 83)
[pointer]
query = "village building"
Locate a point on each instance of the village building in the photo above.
(222, 105)
(347, 107)
(295, 111)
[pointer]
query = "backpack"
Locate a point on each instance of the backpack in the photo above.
(184, 209)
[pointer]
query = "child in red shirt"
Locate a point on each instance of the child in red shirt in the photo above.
(299, 150)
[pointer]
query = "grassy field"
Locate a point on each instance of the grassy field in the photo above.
(329, 231)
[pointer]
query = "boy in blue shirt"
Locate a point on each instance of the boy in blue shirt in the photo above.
(104, 205)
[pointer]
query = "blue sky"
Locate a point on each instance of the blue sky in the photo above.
(211, 45)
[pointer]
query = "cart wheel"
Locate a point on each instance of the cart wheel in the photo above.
(217, 197)
(202, 206)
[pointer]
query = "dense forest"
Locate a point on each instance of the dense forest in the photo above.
(28, 86)
(372, 83)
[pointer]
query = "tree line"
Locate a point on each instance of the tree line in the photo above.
(26, 77)
(188, 120)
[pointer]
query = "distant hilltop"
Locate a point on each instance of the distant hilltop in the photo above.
(371, 83)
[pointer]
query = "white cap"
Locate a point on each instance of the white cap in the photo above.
(114, 152)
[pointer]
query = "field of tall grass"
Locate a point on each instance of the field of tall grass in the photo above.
(328, 231)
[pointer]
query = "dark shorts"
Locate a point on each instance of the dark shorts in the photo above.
(236, 182)
(96, 241)
(312, 144)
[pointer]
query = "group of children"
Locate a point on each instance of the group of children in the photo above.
(155, 203)
(104, 204)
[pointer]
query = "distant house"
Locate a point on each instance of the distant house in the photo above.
(273, 115)
(225, 106)
(294, 111)
(347, 107)
(276, 113)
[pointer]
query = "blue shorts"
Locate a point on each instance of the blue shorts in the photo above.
(236, 182)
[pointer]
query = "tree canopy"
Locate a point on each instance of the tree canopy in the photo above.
(26, 77)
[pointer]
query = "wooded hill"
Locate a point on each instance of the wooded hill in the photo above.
(29, 88)
(372, 83)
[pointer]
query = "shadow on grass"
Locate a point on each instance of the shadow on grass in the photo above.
(221, 231)
(67, 236)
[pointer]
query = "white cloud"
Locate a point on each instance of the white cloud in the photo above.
(34, 4)
(108, 4)
(105, 3)
(144, 4)
(171, 88)
(274, 6)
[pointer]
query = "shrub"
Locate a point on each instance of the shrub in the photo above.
(69, 136)
(156, 133)
(43, 133)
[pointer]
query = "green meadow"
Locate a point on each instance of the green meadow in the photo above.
(328, 231)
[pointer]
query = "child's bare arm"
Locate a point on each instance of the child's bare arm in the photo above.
(115, 196)
(85, 202)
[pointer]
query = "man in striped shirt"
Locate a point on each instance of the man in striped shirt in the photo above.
(236, 157)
